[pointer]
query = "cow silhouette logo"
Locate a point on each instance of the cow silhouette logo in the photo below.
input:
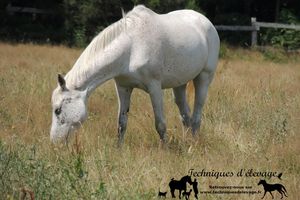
(273, 187)
(179, 185)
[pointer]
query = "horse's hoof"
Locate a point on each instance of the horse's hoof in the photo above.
(163, 145)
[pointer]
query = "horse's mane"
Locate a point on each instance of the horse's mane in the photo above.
(104, 38)
(85, 62)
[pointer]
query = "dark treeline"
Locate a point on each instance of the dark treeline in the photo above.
(75, 22)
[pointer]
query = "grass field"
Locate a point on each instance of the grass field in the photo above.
(251, 120)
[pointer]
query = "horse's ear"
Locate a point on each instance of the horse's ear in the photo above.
(123, 12)
(61, 82)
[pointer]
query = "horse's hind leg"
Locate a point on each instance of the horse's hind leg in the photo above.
(172, 192)
(284, 191)
(124, 102)
(271, 194)
(156, 95)
(180, 100)
(201, 84)
(280, 193)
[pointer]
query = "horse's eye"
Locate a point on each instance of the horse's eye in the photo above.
(57, 111)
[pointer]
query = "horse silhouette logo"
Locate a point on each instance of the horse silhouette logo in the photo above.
(272, 187)
(179, 185)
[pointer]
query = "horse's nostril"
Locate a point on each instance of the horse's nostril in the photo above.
(57, 111)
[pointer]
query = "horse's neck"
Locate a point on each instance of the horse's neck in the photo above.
(185, 179)
(89, 73)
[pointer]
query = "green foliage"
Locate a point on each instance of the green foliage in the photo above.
(84, 19)
(193, 5)
(223, 50)
(80, 39)
(164, 6)
(274, 54)
(65, 178)
(101, 190)
(286, 38)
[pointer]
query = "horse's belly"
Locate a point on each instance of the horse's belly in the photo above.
(179, 68)
(174, 80)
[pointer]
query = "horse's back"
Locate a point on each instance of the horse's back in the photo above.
(173, 47)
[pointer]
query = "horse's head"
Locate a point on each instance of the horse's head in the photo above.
(69, 111)
(190, 180)
(261, 182)
(187, 179)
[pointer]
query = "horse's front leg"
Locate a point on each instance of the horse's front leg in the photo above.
(124, 103)
(156, 95)
(264, 194)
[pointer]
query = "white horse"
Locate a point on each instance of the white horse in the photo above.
(142, 50)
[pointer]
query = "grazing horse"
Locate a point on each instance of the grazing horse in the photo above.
(271, 187)
(142, 50)
(179, 185)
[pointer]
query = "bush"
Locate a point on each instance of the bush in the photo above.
(85, 19)
(286, 38)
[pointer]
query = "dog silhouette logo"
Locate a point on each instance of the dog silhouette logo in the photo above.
(273, 187)
(187, 194)
(162, 194)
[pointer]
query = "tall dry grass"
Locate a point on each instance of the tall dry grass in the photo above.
(250, 120)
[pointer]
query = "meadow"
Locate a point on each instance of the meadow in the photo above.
(251, 120)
